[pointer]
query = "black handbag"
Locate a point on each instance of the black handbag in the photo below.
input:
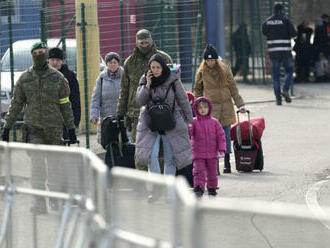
(161, 113)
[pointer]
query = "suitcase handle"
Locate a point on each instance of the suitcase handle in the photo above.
(238, 128)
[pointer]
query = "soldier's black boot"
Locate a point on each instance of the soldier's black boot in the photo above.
(227, 168)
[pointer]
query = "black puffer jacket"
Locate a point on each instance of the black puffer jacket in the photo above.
(74, 93)
(279, 31)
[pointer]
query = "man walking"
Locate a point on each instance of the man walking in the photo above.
(134, 67)
(44, 92)
(279, 31)
(55, 60)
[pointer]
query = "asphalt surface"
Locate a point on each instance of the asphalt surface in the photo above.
(297, 169)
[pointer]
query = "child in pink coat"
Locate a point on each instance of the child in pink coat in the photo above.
(207, 144)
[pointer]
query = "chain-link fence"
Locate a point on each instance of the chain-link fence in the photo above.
(176, 26)
(246, 45)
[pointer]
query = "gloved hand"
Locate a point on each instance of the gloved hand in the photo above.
(120, 118)
(72, 135)
(5, 134)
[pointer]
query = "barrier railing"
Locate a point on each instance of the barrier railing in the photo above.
(129, 208)
(52, 195)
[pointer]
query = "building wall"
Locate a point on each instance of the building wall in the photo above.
(25, 23)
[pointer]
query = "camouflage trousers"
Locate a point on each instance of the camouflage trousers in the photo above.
(45, 170)
(47, 136)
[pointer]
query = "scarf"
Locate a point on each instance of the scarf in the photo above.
(156, 81)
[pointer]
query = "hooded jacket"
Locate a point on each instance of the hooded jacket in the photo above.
(206, 133)
(134, 67)
(179, 136)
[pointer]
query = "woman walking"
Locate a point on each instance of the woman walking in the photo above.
(106, 92)
(215, 81)
(160, 83)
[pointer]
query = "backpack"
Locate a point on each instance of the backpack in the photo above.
(111, 127)
(161, 113)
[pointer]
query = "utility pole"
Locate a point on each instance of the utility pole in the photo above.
(88, 55)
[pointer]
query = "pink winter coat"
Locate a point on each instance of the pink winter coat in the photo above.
(207, 135)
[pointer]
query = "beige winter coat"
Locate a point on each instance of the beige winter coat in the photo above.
(179, 136)
(221, 94)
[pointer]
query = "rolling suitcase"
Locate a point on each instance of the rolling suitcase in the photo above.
(247, 143)
(120, 155)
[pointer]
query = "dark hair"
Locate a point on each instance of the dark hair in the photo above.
(110, 56)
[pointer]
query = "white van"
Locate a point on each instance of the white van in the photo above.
(23, 60)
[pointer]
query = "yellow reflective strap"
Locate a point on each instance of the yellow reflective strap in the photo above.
(64, 100)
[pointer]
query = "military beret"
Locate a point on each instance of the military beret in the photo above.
(37, 45)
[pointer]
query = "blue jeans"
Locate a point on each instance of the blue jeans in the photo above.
(228, 141)
(154, 166)
(275, 67)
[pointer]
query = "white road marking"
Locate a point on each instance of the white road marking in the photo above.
(313, 204)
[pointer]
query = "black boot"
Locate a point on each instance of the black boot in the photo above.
(212, 192)
(227, 164)
(198, 191)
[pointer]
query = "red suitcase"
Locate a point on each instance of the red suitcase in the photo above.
(247, 147)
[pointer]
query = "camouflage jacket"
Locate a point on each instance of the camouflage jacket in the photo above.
(134, 67)
(45, 98)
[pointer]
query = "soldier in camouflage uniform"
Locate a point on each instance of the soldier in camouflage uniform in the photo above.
(134, 67)
(44, 94)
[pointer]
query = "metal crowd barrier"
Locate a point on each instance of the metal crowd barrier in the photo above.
(88, 207)
(50, 195)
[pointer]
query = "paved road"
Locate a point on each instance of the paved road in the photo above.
(295, 144)
(297, 169)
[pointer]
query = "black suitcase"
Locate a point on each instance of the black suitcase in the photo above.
(123, 157)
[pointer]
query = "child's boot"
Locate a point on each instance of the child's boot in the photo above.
(227, 168)
(212, 192)
(198, 191)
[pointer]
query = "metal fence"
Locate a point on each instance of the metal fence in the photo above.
(176, 26)
(84, 206)
(50, 195)
(246, 45)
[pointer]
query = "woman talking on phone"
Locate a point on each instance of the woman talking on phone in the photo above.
(162, 86)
